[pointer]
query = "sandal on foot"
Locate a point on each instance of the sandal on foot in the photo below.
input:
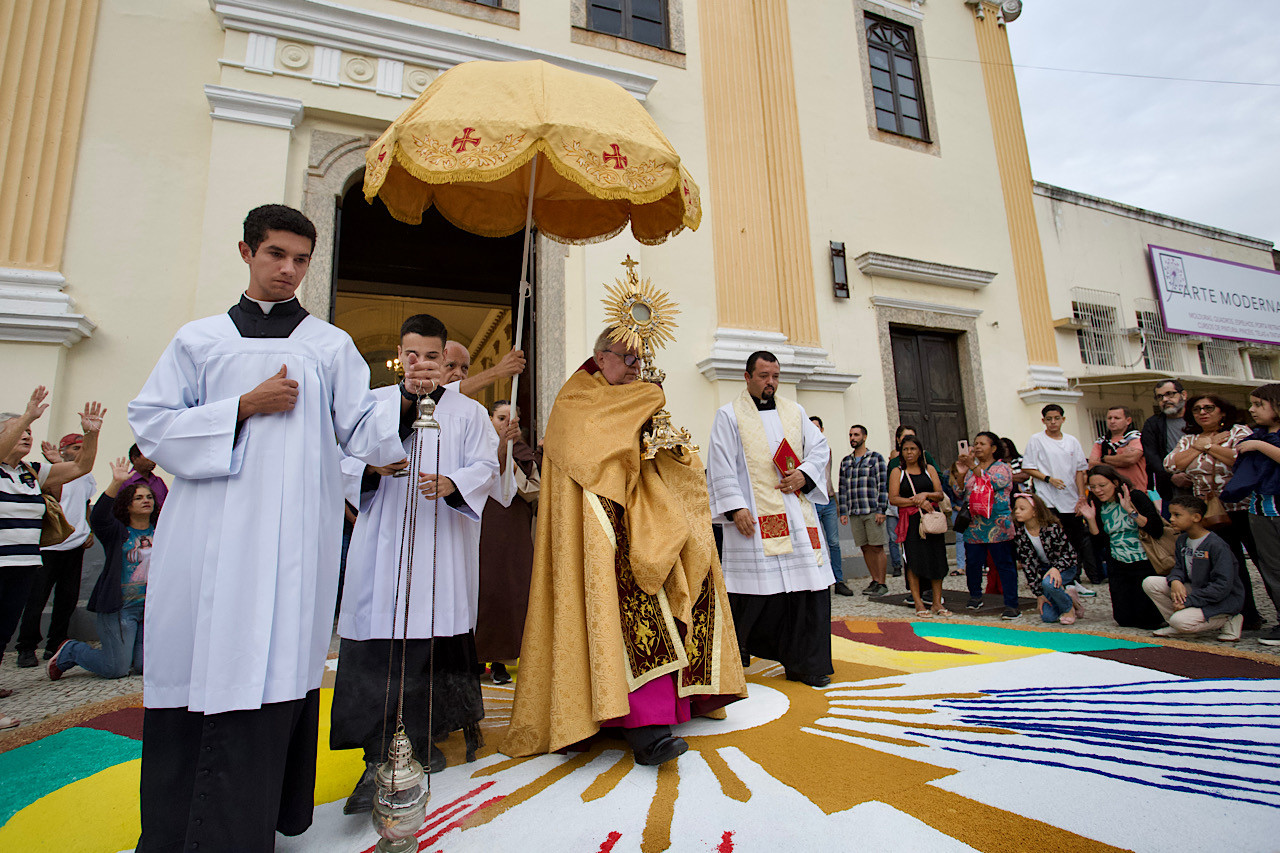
(943, 612)
(923, 614)
(9, 722)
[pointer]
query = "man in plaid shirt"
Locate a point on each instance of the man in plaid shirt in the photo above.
(864, 498)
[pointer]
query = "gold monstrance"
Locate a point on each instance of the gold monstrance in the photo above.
(642, 317)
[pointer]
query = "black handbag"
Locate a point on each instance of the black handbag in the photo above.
(962, 519)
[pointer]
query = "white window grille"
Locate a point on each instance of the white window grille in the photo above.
(1263, 367)
(1221, 358)
(1097, 316)
(1161, 351)
(1098, 417)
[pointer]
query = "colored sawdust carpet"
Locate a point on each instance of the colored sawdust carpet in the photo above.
(933, 735)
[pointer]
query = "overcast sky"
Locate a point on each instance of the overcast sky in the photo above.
(1200, 151)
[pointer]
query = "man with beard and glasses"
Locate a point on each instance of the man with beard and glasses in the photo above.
(775, 565)
(1161, 433)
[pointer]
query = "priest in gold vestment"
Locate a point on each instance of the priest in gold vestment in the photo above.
(629, 623)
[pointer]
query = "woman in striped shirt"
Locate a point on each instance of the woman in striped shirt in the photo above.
(22, 505)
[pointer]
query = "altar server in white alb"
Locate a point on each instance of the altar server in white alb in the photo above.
(774, 560)
(450, 500)
(250, 411)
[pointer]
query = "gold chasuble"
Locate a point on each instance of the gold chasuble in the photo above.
(626, 583)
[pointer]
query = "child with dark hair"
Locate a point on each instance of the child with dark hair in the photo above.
(1047, 559)
(1256, 478)
(1203, 591)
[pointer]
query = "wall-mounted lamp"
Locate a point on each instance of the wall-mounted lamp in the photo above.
(839, 273)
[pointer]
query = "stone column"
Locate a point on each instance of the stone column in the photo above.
(1045, 380)
(45, 50)
(248, 165)
(760, 225)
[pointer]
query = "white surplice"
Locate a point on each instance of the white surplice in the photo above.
(747, 570)
(244, 570)
(469, 457)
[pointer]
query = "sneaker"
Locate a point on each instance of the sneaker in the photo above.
(26, 660)
(1231, 630)
(896, 571)
(842, 589)
(500, 674)
(881, 589)
(1011, 613)
(871, 589)
(927, 597)
(1081, 589)
(974, 604)
(1271, 638)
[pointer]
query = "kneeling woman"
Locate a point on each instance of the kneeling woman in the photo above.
(1115, 513)
(124, 520)
(1047, 559)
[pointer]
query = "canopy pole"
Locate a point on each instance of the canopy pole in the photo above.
(509, 475)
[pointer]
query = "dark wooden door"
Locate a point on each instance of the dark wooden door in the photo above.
(927, 368)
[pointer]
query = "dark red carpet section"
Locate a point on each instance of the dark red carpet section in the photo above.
(893, 635)
(1190, 663)
(127, 722)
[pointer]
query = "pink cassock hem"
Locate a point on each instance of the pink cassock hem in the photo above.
(656, 703)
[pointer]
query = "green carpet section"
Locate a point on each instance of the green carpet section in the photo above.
(1056, 641)
(32, 771)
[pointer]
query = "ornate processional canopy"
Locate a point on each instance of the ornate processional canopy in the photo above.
(643, 319)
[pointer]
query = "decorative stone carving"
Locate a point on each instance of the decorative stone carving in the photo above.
(417, 79)
(294, 56)
(33, 309)
(361, 70)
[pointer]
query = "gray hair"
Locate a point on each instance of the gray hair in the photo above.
(604, 339)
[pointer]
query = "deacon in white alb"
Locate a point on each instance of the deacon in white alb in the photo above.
(250, 411)
(774, 559)
(450, 501)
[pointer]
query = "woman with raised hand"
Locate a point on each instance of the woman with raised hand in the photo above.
(1115, 513)
(124, 520)
(22, 505)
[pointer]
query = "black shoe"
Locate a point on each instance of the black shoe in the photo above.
(881, 589)
(871, 589)
(1271, 638)
(26, 660)
(974, 604)
(811, 680)
(361, 799)
(746, 660)
(842, 589)
(896, 571)
(500, 674)
(50, 652)
(654, 745)
(437, 762)
(1011, 613)
(927, 597)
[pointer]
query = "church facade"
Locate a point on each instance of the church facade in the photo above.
(869, 211)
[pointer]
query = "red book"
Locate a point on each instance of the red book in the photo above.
(785, 458)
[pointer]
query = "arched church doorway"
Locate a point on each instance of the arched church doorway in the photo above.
(385, 271)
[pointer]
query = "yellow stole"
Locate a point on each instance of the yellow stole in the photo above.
(771, 511)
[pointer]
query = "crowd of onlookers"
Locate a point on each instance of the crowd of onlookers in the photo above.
(49, 518)
(1163, 514)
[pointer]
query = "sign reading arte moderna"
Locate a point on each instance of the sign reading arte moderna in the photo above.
(1199, 295)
